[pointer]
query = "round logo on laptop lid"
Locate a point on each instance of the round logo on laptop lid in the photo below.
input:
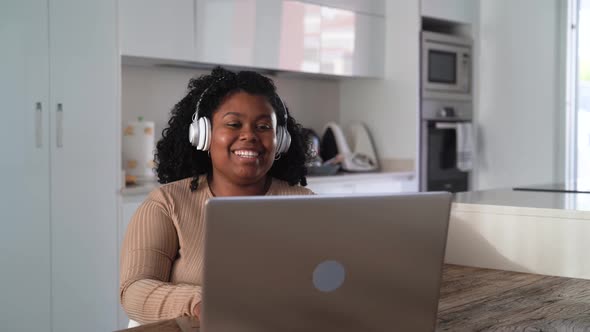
(328, 276)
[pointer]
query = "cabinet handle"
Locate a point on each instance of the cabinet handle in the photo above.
(38, 125)
(59, 124)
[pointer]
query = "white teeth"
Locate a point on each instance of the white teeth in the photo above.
(246, 153)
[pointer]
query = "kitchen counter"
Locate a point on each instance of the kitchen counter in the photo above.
(526, 231)
(526, 199)
(407, 178)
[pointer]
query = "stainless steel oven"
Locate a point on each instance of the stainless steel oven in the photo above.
(439, 148)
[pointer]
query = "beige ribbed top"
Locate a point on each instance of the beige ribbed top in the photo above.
(162, 254)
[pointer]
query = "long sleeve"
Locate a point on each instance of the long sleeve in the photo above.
(163, 254)
(149, 250)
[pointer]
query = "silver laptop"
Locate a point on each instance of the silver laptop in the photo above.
(324, 263)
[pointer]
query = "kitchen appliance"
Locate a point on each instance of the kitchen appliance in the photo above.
(446, 145)
(315, 165)
(312, 142)
(446, 66)
(361, 158)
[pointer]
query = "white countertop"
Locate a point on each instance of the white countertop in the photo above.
(526, 199)
(143, 189)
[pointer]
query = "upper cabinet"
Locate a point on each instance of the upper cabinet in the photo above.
(333, 41)
(238, 32)
(461, 11)
(157, 28)
(372, 7)
(293, 36)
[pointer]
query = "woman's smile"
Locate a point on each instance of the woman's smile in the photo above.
(246, 154)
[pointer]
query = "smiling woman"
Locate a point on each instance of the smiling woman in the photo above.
(225, 91)
(231, 135)
(245, 143)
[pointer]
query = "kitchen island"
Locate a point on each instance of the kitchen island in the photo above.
(526, 231)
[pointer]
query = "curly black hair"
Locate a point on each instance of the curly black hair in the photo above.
(177, 159)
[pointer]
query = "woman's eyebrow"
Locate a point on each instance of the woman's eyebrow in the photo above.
(264, 116)
(232, 113)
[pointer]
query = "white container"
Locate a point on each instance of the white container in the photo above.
(138, 150)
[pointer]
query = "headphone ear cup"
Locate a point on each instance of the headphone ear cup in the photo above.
(193, 134)
(286, 140)
(207, 143)
(283, 140)
(279, 141)
(202, 133)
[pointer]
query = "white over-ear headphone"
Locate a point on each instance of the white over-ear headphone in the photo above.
(199, 133)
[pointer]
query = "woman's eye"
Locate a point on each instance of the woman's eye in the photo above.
(264, 126)
(233, 124)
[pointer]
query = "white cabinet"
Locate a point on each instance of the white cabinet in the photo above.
(157, 28)
(372, 7)
(59, 86)
(462, 11)
(369, 47)
(25, 280)
(238, 33)
(345, 40)
(326, 40)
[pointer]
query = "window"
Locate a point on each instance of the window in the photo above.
(578, 93)
(583, 92)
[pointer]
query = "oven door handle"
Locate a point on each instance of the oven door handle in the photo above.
(445, 125)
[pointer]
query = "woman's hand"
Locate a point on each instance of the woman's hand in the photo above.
(197, 311)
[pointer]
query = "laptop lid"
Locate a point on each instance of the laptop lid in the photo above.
(324, 263)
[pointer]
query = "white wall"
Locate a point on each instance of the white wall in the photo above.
(518, 95)
(389, 107)
(151, 92)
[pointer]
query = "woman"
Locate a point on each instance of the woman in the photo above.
(231, 135)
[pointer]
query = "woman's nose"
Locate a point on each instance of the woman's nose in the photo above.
(248, 133)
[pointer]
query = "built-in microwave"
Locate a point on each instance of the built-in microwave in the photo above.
(446, 65)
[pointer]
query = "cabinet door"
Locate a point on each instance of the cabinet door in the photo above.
(320, 39)
(300, 45)
(239, 33)
(24, 165)
(337, 40)
(373, 7)
(375, 186)
(157, 28)
(85, 163)
(331, 187)
(369, 46)
(463, 11)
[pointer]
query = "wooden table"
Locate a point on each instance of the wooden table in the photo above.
(474, 299)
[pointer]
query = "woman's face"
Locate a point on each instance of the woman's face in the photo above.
(243, 139)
